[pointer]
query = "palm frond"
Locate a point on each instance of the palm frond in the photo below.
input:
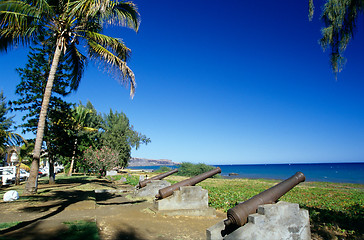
(10, 138)
(114, 44)
(19, 22)
(112, 12)
(124, 13)
(84, 8)
(113, 64)
(78, 62)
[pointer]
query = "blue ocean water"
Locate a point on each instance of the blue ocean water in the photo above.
(321, 172)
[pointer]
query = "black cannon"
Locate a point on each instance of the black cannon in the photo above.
(158, 177)
(168, 191)
(238, 215)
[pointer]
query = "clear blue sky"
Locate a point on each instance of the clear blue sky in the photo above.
(230, 82)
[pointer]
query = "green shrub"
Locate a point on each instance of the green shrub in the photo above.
(163, 169)
(114, 178)
(132, 180)
(190, 169)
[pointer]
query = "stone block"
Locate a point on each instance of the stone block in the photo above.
(278, 221)
(189, 197)
(187, 201)
(111, 173)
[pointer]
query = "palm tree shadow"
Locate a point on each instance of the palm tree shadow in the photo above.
(69, 197)
(130, 235)
(122, 203)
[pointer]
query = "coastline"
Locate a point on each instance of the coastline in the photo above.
(315, 172)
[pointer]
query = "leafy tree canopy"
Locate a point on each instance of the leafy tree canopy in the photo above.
(120, 135)
(33, 83)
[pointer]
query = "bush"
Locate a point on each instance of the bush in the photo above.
(190, 169)
(101, 160)
(132, 180)
(163, 169)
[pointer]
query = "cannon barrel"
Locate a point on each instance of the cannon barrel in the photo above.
(238, 215)
(168, 191)
(158, 177)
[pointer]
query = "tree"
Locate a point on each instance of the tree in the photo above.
(80, 119)
(31, 90)
(24, 151)
(66, 24)
(340, 18)
(119, 135)
(7, 137)
(87, 138)
(58, 141)
(101, 160)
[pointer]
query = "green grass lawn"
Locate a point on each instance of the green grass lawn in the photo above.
(335, 209)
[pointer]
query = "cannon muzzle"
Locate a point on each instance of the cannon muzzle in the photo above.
(168, 191)
(238, 215)
(158, 177)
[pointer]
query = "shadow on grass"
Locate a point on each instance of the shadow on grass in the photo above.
(70, 180)
(351, 221)
(67, 197)
(61, 200)
(122, 203)
(68, 231)
(73, 231)
(130, 235)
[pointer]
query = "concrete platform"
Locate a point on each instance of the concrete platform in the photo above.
(188, 201)
(278, 221)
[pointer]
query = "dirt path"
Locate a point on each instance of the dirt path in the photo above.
(117, 217)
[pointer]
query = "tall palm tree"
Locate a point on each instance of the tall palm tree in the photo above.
(67, 23)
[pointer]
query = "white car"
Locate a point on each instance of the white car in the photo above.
(23, 174)
(7, 177)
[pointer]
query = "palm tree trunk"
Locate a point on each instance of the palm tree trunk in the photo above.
(31, 186)
(17, 173)
(73, 158)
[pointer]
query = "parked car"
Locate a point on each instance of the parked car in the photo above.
(58, 168)
(42, 172)
(7, 177)
(23, 175)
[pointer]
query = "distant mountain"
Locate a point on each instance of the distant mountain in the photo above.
(136, 162)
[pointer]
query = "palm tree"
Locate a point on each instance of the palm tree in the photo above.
(7, 137)
(68, 23)
(80, 119)
(24, 151)
(340, 18)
